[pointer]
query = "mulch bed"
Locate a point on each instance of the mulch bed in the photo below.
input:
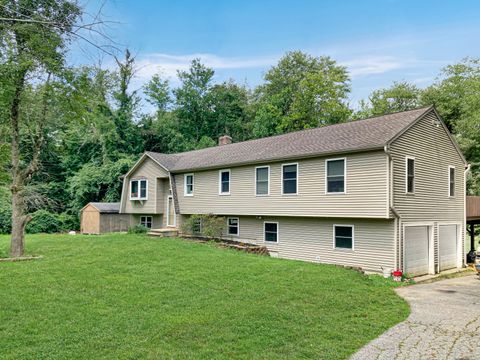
(23, 258)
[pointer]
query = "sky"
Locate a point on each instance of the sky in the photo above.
(379, 41)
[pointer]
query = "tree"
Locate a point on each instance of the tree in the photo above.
(157, 91)
(401, 96)
(301, 92)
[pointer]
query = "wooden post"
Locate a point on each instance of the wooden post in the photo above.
(472, 236)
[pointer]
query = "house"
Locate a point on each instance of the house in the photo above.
(102, 218)
(384, 192)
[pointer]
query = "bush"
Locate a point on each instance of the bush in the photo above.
(44, 222)
(137, 229)
(208, 225)
(5, 220)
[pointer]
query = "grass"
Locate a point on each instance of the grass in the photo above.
(132, 297)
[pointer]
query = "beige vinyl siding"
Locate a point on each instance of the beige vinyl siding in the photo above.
(151, 171)
(434, 152)
(311, 239)
(366, 185)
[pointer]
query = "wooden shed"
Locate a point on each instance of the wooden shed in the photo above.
(101, 218)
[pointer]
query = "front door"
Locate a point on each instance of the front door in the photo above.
(170, 212)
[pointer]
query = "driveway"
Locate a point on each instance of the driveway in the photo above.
(444, 323)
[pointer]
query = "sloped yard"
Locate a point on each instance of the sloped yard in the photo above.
(129, 296)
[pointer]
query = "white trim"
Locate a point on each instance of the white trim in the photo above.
(344, 176)
(353, 237)
(185, 184)
(168, 212)
(296, 179)
(238, 226)
(220, 181)
(268, 177)
(431, 249)
(407, 157)
(139, 197)
(454, 181)
(278, 232)
(155, 196)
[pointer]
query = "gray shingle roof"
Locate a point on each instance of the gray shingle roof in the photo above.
(107, 207)
(357, 135)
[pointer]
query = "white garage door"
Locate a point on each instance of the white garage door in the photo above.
(447, 242)
(416, 250)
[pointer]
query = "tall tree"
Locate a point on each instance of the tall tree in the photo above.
(33, 36)
(401, 96)
(300, 92)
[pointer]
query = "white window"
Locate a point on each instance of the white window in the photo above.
(224, 182)
(138, 189)
(409, 175)
(270, 231)
(189, 184)
(197, 226)
(233, 226)
(289, 179)
(451, 181)
(335, 175)
(146, 221)
(343, 237)
(262, 180)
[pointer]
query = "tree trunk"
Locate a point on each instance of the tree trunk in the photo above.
(18, 204)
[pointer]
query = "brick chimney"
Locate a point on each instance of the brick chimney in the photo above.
(224, 140)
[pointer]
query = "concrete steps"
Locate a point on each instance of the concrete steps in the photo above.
(164, 232)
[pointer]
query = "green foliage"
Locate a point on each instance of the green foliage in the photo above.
(208, 225)
(401, 96)
(137, 229)
(5, 211)
(44, 222)
(302, 92)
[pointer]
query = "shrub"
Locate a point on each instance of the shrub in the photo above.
(137, 229)
(208, 225)
(44, 222)
(5, 220)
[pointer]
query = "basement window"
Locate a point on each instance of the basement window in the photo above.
(146, 221)
(233, 226)
(270, 230)
(138, 189)
(343, 236)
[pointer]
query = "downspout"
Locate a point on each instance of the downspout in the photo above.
(390, 204)
(467, 170)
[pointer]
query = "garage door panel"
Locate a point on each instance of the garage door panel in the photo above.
(447, 247)
(416, 250)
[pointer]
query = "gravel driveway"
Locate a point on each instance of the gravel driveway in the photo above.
(444, 323)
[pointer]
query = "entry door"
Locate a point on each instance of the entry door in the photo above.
(447, 242)
(170, 212)
(416, 250)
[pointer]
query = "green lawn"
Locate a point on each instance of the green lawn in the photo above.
(131, 297)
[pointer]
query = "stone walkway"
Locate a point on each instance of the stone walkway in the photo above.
(444, 324)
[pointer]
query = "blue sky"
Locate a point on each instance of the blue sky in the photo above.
(379, 41)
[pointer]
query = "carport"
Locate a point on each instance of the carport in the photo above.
(473, 218)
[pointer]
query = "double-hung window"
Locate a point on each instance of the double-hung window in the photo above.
(289, 179)
(451, 181)
(224, 182)
(146, 221)
(189, 184)
(335, 176)
(138, 189)
(343, 236)
(270, 231)
(233, 226)
(262, 180)
(410, 174)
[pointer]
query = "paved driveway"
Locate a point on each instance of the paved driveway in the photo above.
(444, 324)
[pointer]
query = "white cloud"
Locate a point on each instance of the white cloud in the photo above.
(168, 65)
(372, 65)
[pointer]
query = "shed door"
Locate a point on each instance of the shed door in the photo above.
(416, 250)
(447, 242)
